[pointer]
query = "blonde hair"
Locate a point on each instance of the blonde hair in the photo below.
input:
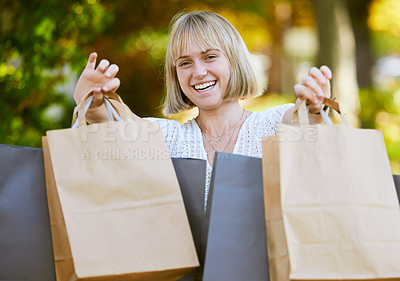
(210, 31)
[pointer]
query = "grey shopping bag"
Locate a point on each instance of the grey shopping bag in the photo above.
(25, 239)
(191, 174)
(236, 243)
(397, 184)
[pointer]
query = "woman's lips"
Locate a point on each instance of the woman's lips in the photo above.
(204, 87)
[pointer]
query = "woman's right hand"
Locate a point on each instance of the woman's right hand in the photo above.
(99, 80)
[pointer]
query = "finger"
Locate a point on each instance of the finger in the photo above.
(112, 85)
(310, 82)
(91, 61)
(323, 75)
(316, 105)
(97, 98)
(318, 75)
(304, 93)
(112, 71)
(103, 65)
(326, 88)
(313, 101)
(326, 71)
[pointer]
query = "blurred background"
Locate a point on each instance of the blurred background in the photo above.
(44, 46)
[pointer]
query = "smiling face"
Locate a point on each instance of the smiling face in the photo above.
(203, 76)
(228, 72)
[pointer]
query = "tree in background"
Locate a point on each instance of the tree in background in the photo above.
(337, 50)
(40, 39)
(371, 30)
(359, 12)
(381, 103)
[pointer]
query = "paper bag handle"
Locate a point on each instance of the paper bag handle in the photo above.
(112, 113)
(303, 113)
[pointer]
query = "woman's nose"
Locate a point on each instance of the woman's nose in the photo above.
(199, 70)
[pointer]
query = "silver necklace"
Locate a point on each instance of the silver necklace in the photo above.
(218, 138)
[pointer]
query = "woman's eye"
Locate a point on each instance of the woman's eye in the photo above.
(209, 57)
(183, 63)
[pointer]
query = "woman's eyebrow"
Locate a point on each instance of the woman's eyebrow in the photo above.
(209, 50)
(182, 57)
(203, 52)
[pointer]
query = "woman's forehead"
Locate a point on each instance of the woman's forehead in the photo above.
(195, 45)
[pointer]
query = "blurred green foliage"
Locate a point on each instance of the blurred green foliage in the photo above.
(45, 44)
(39, 39)
(380, 105)
(381, 110)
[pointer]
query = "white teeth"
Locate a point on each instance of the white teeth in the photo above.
(204, 86)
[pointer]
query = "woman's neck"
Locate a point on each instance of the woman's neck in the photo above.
(221, 118)
(220, 127)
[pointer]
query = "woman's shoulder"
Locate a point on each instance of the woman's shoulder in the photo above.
(173, 129)
(266, 122)
(169, 127)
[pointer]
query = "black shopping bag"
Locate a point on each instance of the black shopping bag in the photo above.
(397, 184)
(236, 244)
(25, 239)
(191, 174)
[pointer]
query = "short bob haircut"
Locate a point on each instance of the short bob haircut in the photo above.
(210, 31)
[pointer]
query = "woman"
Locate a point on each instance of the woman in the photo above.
(208, 65)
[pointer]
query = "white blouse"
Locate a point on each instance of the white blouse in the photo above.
(186, 140)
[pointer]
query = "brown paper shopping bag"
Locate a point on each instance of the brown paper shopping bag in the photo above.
(115, 204)
(331, 206)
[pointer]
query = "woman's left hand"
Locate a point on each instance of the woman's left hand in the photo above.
(314, 87)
